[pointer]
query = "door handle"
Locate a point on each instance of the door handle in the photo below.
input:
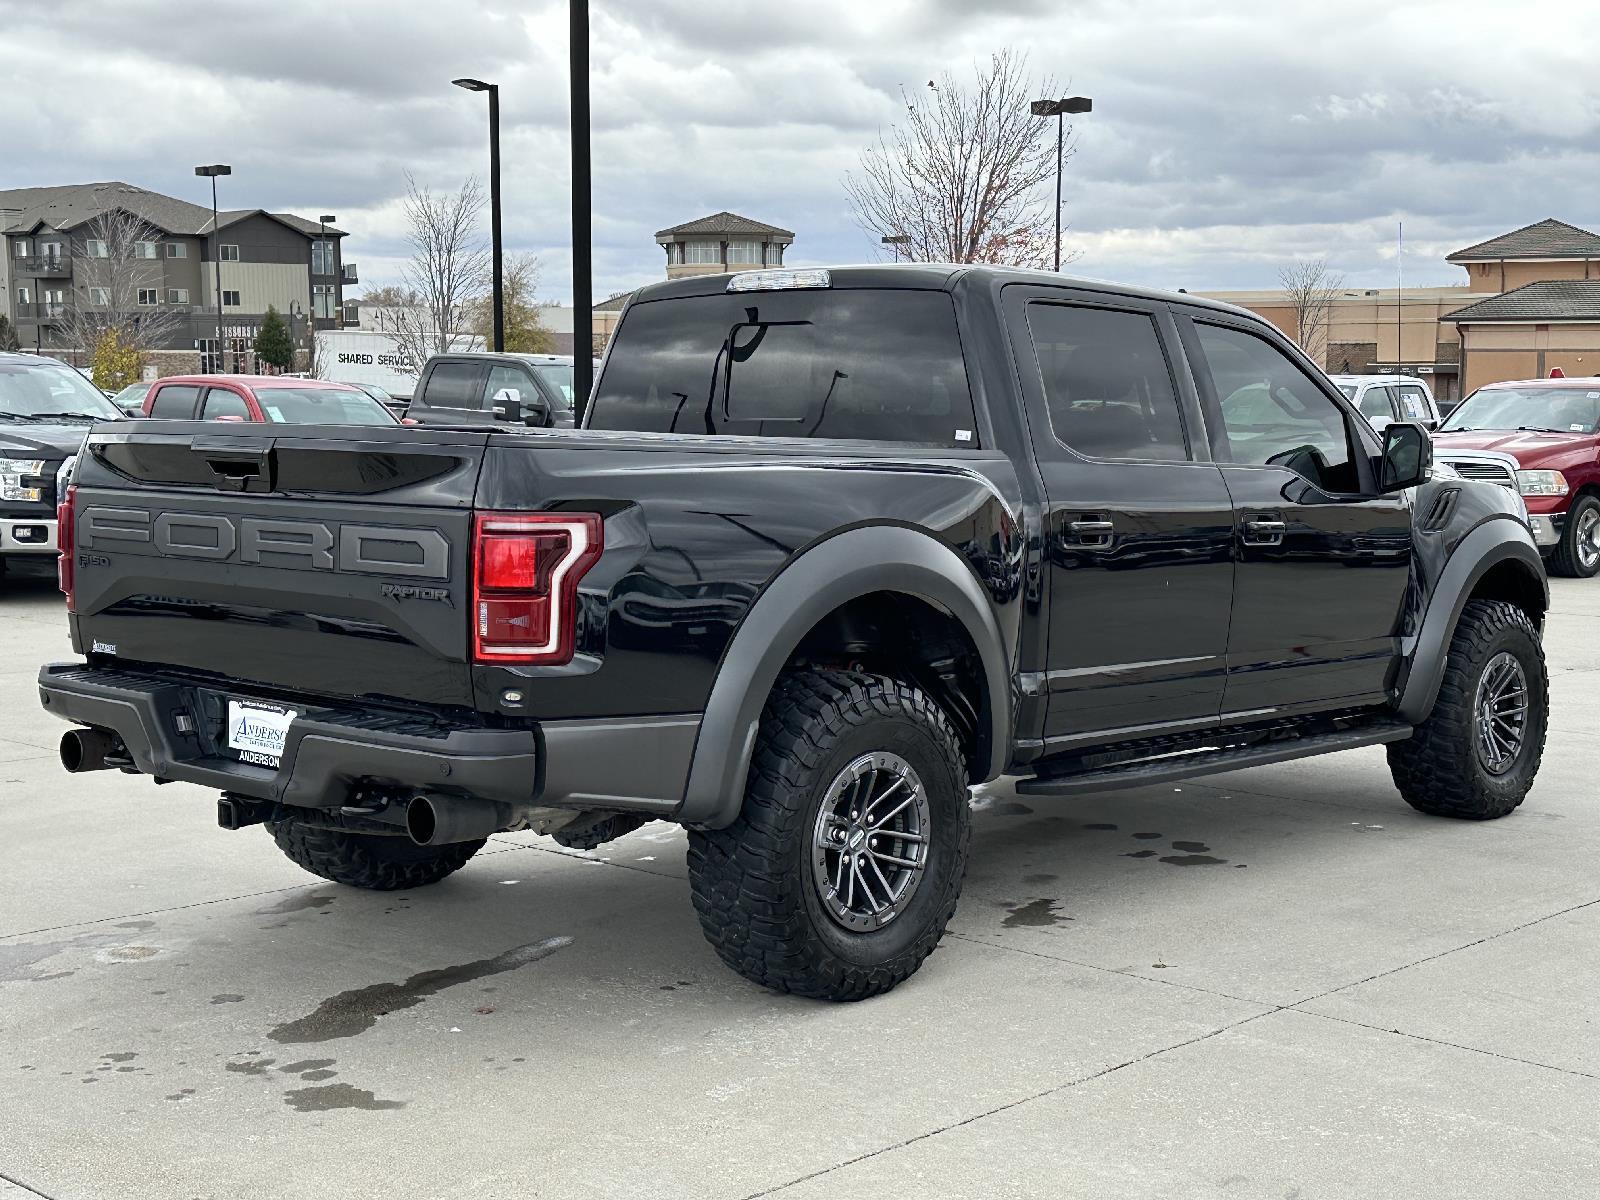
(1091, 532)
(1263, 531)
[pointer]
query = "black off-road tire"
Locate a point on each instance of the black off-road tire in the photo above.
(1566, 559)
(1437, 769)
(752, 882)
(374, 861)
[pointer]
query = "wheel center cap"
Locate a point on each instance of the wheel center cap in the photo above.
(857, 836)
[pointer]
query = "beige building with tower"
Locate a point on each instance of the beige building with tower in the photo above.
(724, 241)
(1531, 303)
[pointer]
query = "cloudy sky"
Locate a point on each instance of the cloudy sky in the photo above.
(1227, 138)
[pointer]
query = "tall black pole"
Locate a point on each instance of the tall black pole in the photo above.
(494, 218)
(1060, 137)
(582, 268)
(216, 255)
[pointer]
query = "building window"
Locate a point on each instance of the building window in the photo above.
(20, 248)
(50, 250)
(230, 299)
(100, 296)
(774, 254)
(177, 295)
(352, 313)
(744, 252)
(22, 295)
(149, 296)
(55, 301)
(144, 250)
(177, 250)
(703, 252)
(94, 248)
(230, 253)
(321, 257)
(674, 254)
(323, 303)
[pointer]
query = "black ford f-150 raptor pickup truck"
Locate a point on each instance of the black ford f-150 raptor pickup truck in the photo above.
(829, 547)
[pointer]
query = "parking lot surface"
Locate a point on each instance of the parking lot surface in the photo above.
(1276, 983)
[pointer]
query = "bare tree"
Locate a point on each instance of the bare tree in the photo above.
(117, 284)
(962, 178)
(1311, 290)
(449, 266)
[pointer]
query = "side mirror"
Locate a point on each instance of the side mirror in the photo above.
(1407, 457)
(536, 412)
(508, 405)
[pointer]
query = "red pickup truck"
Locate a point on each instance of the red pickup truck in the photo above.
(273, 399)
(1552, 428)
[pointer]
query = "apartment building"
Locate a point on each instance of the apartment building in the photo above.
(86, 250)
(724, 241)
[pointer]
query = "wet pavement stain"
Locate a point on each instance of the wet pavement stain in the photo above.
(313, 1076)
(120, 1056)
(1101, 826)
(307, 1064)
(15, 960)
(51, 975)
(256, 1066)
(227, 998)
(1040, 878)
(183, 1095)
(1011, 808)
(1193, 860)
(1035, 912)
(1191, 847)
(1139, 854)
(1146, 837)
(336, 1095)
(297, 903)
(357, 1010)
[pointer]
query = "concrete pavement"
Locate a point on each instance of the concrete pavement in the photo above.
(1277, 983)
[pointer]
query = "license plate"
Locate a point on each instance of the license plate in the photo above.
(257, 731)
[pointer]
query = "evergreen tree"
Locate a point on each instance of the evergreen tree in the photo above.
(273, 344)
(8, 335)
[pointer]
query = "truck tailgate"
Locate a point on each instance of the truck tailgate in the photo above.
(312, 560)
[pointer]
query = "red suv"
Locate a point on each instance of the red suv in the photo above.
(276, 399)
(1552, 428)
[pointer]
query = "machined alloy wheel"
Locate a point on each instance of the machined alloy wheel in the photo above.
(1586, 539)
(870, 843)
(1501, 712)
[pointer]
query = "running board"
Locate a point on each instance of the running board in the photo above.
(1211, 762)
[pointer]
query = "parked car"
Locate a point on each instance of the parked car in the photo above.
(276, 399)
(1552, 428)
(489, 388)
(131, 398)
(1384, 399)
(45, 409)
(396, 405)
(832, 546)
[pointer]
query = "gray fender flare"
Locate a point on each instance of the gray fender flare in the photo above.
(879, 558)
(1487, 546)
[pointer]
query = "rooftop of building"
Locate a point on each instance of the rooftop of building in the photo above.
(724, 223)
(65, 207)
(1548, 238)
(1547, 300)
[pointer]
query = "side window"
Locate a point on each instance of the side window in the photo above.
(1413, 403)
(454, 385)
(176, 400)
(1107, 382)
(506, 377)
(1272, 413)
(220, 402)
(1377, 402)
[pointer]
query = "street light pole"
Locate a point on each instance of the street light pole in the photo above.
(896, 240)
(211, 172)
(1058, 109)
(499, 301)
(582, 248)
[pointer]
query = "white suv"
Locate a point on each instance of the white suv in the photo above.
(1386, 398)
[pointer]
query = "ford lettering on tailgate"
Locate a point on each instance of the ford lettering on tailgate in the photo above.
(274, 541)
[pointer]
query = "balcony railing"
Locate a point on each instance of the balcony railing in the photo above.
(46, 313)
(44, 266)
(347, 274)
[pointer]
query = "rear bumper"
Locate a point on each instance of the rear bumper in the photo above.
(172, 730)
(27, 535)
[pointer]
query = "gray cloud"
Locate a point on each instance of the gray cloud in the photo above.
(1223, 142)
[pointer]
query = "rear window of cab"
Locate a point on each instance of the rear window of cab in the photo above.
(863, 364)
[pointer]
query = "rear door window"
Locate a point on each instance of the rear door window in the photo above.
(454, 385)
(1413, 403)
(175, 400)
(860, 364)
(1378, 403)
(220, 402)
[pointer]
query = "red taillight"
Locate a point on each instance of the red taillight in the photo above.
(526, 568)
(65, 541)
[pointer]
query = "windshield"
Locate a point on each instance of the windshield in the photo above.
(321, 406)
(1558, 410)
(44, 391)
(559, 377)
(131, 398)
